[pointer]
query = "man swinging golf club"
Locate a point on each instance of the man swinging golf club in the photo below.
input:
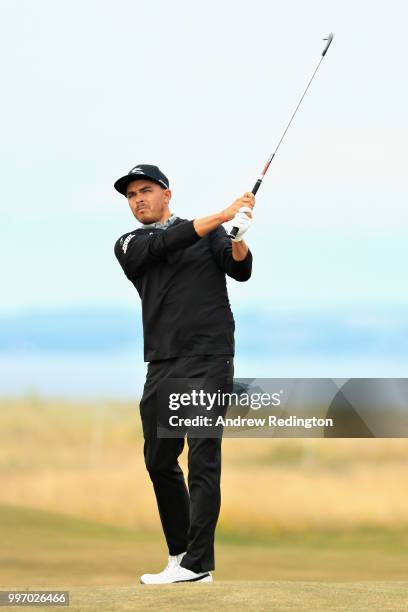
(178, 268)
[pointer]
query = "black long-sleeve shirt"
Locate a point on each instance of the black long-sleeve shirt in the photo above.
(180, 278)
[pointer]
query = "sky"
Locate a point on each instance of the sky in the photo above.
(204, 90)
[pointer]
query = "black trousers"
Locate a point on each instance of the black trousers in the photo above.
(188, 516)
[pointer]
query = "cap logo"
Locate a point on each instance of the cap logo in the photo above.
(137, 171)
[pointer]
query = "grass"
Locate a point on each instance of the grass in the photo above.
(100, 565)
(65, 456)
(45, 548)
(233, 595)
(312, 524)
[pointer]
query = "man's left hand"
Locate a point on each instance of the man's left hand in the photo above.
(242, 220)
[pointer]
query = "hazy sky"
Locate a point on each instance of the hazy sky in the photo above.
(204, 90)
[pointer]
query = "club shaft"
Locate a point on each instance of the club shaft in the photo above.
(258, 183)
(268, 163)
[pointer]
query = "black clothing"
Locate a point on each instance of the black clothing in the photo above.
(188, 516)
(180, 278)
(188, 333)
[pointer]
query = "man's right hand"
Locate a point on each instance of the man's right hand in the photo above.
(248, 199)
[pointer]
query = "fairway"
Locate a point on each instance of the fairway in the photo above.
(240, 595)
(248, 595)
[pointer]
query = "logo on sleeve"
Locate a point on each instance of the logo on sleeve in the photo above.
(126, 242)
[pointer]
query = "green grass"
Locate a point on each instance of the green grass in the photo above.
(41, 548)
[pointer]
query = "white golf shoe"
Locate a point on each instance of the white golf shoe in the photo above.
(173, 572)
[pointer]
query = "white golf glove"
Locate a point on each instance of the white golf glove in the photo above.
(242, 221)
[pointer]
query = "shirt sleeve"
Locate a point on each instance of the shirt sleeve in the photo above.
(221, 247)
(138, 251)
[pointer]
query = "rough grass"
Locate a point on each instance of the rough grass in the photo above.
(85, 459)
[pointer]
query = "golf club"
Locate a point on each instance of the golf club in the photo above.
(329, 38)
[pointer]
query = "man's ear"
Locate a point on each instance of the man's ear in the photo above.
(168, 195)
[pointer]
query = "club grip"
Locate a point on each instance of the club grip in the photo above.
(256, 186)
(234, 230)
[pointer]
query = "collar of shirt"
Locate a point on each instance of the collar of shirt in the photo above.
(159, 225)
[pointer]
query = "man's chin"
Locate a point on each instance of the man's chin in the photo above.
(144, 218)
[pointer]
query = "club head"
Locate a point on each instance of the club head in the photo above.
(329, 39)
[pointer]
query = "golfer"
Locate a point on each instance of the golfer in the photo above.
(178, 268)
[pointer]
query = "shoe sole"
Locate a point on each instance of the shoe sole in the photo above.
(205, 578)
